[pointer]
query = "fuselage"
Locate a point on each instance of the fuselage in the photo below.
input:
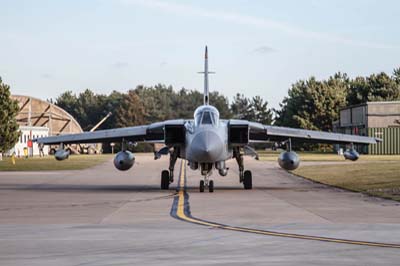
(207, 137)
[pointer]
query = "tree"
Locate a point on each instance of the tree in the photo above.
(158, 102)
(241, 107)
(221, 103)
(185, 102)
(130, 111)
(313, 104)
(88, 108)
(376, 87)
(261, 113)
(69, 102)
(396, 75)
(112, 104)
(9, 133)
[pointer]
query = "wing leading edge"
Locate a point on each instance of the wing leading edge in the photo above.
(146, 133)
(275, 133)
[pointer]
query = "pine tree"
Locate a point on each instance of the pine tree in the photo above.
(9, 133)
(262, 114)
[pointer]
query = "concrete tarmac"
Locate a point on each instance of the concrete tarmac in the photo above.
(101, 216)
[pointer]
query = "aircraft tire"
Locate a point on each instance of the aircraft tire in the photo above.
(247, 180)
(201, 185)
(211, 186)
(165, 179)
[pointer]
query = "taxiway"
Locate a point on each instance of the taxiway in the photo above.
(101, 216)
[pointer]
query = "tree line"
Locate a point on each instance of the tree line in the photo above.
(144, 105)
(310, 104)
(315, 104)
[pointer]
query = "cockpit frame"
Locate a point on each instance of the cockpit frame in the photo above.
(206, 115)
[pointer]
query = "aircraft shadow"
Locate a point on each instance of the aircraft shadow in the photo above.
(123, 188)
(80, 188)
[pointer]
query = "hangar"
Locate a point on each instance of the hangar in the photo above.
(38, 118)
(374, 119)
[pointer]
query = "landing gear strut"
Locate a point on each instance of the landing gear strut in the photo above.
(167, 176)
(245, 177)
(172, 160)
(206, 169)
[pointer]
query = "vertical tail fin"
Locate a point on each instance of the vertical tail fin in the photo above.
(206, 72)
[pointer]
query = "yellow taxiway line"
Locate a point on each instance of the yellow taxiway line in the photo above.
(181, 211)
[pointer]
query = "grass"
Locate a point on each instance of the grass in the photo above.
(376, 178)
(325, 157)
(375, 175)
(75, 162)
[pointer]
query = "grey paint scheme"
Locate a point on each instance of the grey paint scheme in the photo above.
(276, 133)
(206, 143)
(143, 133)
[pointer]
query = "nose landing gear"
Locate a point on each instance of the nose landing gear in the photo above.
(206, 183)
(206, 170)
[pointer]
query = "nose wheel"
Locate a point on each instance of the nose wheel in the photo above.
(206, 184)
(211, 186)
(202, 185)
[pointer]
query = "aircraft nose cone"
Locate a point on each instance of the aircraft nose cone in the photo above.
(207, 146)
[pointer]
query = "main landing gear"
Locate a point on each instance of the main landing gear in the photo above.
(245, 177)
(167, 176)
(247, 180)
(166, 179)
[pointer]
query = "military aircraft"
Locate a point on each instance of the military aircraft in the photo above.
(206, 142)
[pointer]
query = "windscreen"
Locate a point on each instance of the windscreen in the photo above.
(207, 119)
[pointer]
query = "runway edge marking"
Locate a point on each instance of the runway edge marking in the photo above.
(181, 210)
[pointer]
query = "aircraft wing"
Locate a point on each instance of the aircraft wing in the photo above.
(146, 133)
(263, 133)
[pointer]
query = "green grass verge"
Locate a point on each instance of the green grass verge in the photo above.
(376, 178)
(74, 162)
(325, 157)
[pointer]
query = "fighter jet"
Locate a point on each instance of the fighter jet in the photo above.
(206, 142)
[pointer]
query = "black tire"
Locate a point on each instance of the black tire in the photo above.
(202, 186)
(165, 179)
(247, 180)
(211, 186)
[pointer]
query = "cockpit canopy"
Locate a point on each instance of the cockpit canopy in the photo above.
(206, 115)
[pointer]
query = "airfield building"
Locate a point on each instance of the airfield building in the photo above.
(38, 118)
(374, 119)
